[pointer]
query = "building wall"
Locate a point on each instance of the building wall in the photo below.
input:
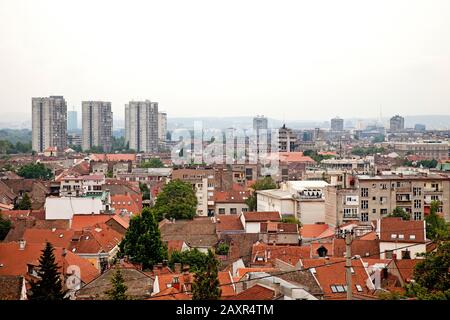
(141, 126)
(65, 208)
(311, 211)
(162, 126)
(240, 207)
(414, 249)
(97, 122)
(284, 206)
(49, 123)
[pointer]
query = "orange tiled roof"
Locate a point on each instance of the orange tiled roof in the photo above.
(126, 202)
(82, 221)
(262, 216)
(269, 253)
(256, 292)
(408, 229)
(114, 157)
(225, 279)
(313, 230)
(228, 222)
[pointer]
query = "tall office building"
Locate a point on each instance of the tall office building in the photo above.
(72, 121)
(49, 123)
(337, 124)
(397, 123)
(162, 126)
(97, 125)
(259, 122)
(141, 126)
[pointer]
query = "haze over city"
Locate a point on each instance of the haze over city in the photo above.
(301, 60)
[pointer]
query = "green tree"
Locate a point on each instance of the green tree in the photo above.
(35, 171)
(25, 203)
(95, 149)
(291, 219)
(5, 226)
(145, 191)
(437, 228)
(431, 275)
(153, 163)
(119, 289)
(176, 200)
(192, 258)
(49, 285)
(142, 242)
(265, 183)
(206, 282)
(400, 213)
(222, 249)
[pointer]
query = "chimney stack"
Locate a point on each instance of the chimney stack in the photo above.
(22, 244)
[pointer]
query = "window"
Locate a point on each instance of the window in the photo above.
(333, 289)
(350, 212)
(417, 204)
(401, 236)
(364, 192)
(417, 191)
(383, 186)
(244, 209)
(364, 204)
(340, 288)
(383, 211)
(388, 254)
(233, 210)
(374, 210)
(364, 216)
(359, 288)
(417, 215)
(221, 210)
(374, 198)
(393, 236)
(412, 237)
(406, 254)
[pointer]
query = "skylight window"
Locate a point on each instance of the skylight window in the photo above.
(359, 288)
(412, 236)
(401, 236)
(340, 288)
(394, 236)
(333, 289)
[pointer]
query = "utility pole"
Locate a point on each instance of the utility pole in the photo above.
(348, 264)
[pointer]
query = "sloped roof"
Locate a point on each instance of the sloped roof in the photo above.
(11, 287)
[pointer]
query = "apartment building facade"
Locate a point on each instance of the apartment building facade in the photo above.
(162, 126)
(375, 197)
(141, 126)
(438, 150)
(49, 123)
(97, 125)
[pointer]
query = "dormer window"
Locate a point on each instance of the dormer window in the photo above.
(401, 236)
(393, 236)
(359, 288)
(412, 236)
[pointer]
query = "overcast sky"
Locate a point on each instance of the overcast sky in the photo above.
(284, 59)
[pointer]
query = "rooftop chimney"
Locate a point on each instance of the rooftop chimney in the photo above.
(22, 244)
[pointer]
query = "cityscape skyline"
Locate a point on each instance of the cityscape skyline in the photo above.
(305, 64)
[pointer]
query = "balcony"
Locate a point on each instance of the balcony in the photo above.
(429, 189)
(350, 217)
(403, 189)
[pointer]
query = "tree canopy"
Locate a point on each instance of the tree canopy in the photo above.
(400, 213)
(49, 286)
(142, 242)
(5, 226)
(192, 258)
(206, 284)
(35, 171)
(153, 163)
(437, 228)
(119, 289)
(176, 200)
(24, 203)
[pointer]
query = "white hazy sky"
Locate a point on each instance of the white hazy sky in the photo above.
(286, 59)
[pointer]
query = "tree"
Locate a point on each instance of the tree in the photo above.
(192, 258)
(49, 286)
(142, 242)
(153, 163)
(119, 289)
(206, 282)
(432, 279)
(145, 191)
(177, 200)
(400, 213)
(5, 226)
(291, 219)
(437, 228)
(265, 183)
(35, 171)
(25, 203)
(222, 249)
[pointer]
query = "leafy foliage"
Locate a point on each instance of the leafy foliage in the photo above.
(142, 242)
(176, 200)
(317, 157)
(35, 171)
(206, 281)
(6, 147)
(145, 191)
(49, 286)
(362, 152)
(222, 249)
(119, 289)
(291, 219)
(5, 226)
(25, 203)
(400, 213)
(192, 258)
(436, 226)
(153, 163)
(431, 275)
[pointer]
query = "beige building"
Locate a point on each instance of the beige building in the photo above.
(428, 149)
(375, 197)
(97, 122)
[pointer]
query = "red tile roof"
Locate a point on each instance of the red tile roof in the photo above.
(412, 231)
(170, 294)
(265, 255)
(232, 196)
(114, 157)
(225, 279)
(315, 231)
(256, 292)
(294, 157)
(243, 271)
(406, 268)
(82, 221)
(331, 272)
(15, 261)
(229, 223)
(262, 216)
(127, 202)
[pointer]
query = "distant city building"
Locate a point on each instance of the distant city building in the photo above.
(141, 126)
(72, 121)
(74, 140)
(286, 139)
(49, 123)
(397, 123)
(337, 124)
(427, 149)
(260, 122)
(97, 125)
(419, 127)
(162, 126)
